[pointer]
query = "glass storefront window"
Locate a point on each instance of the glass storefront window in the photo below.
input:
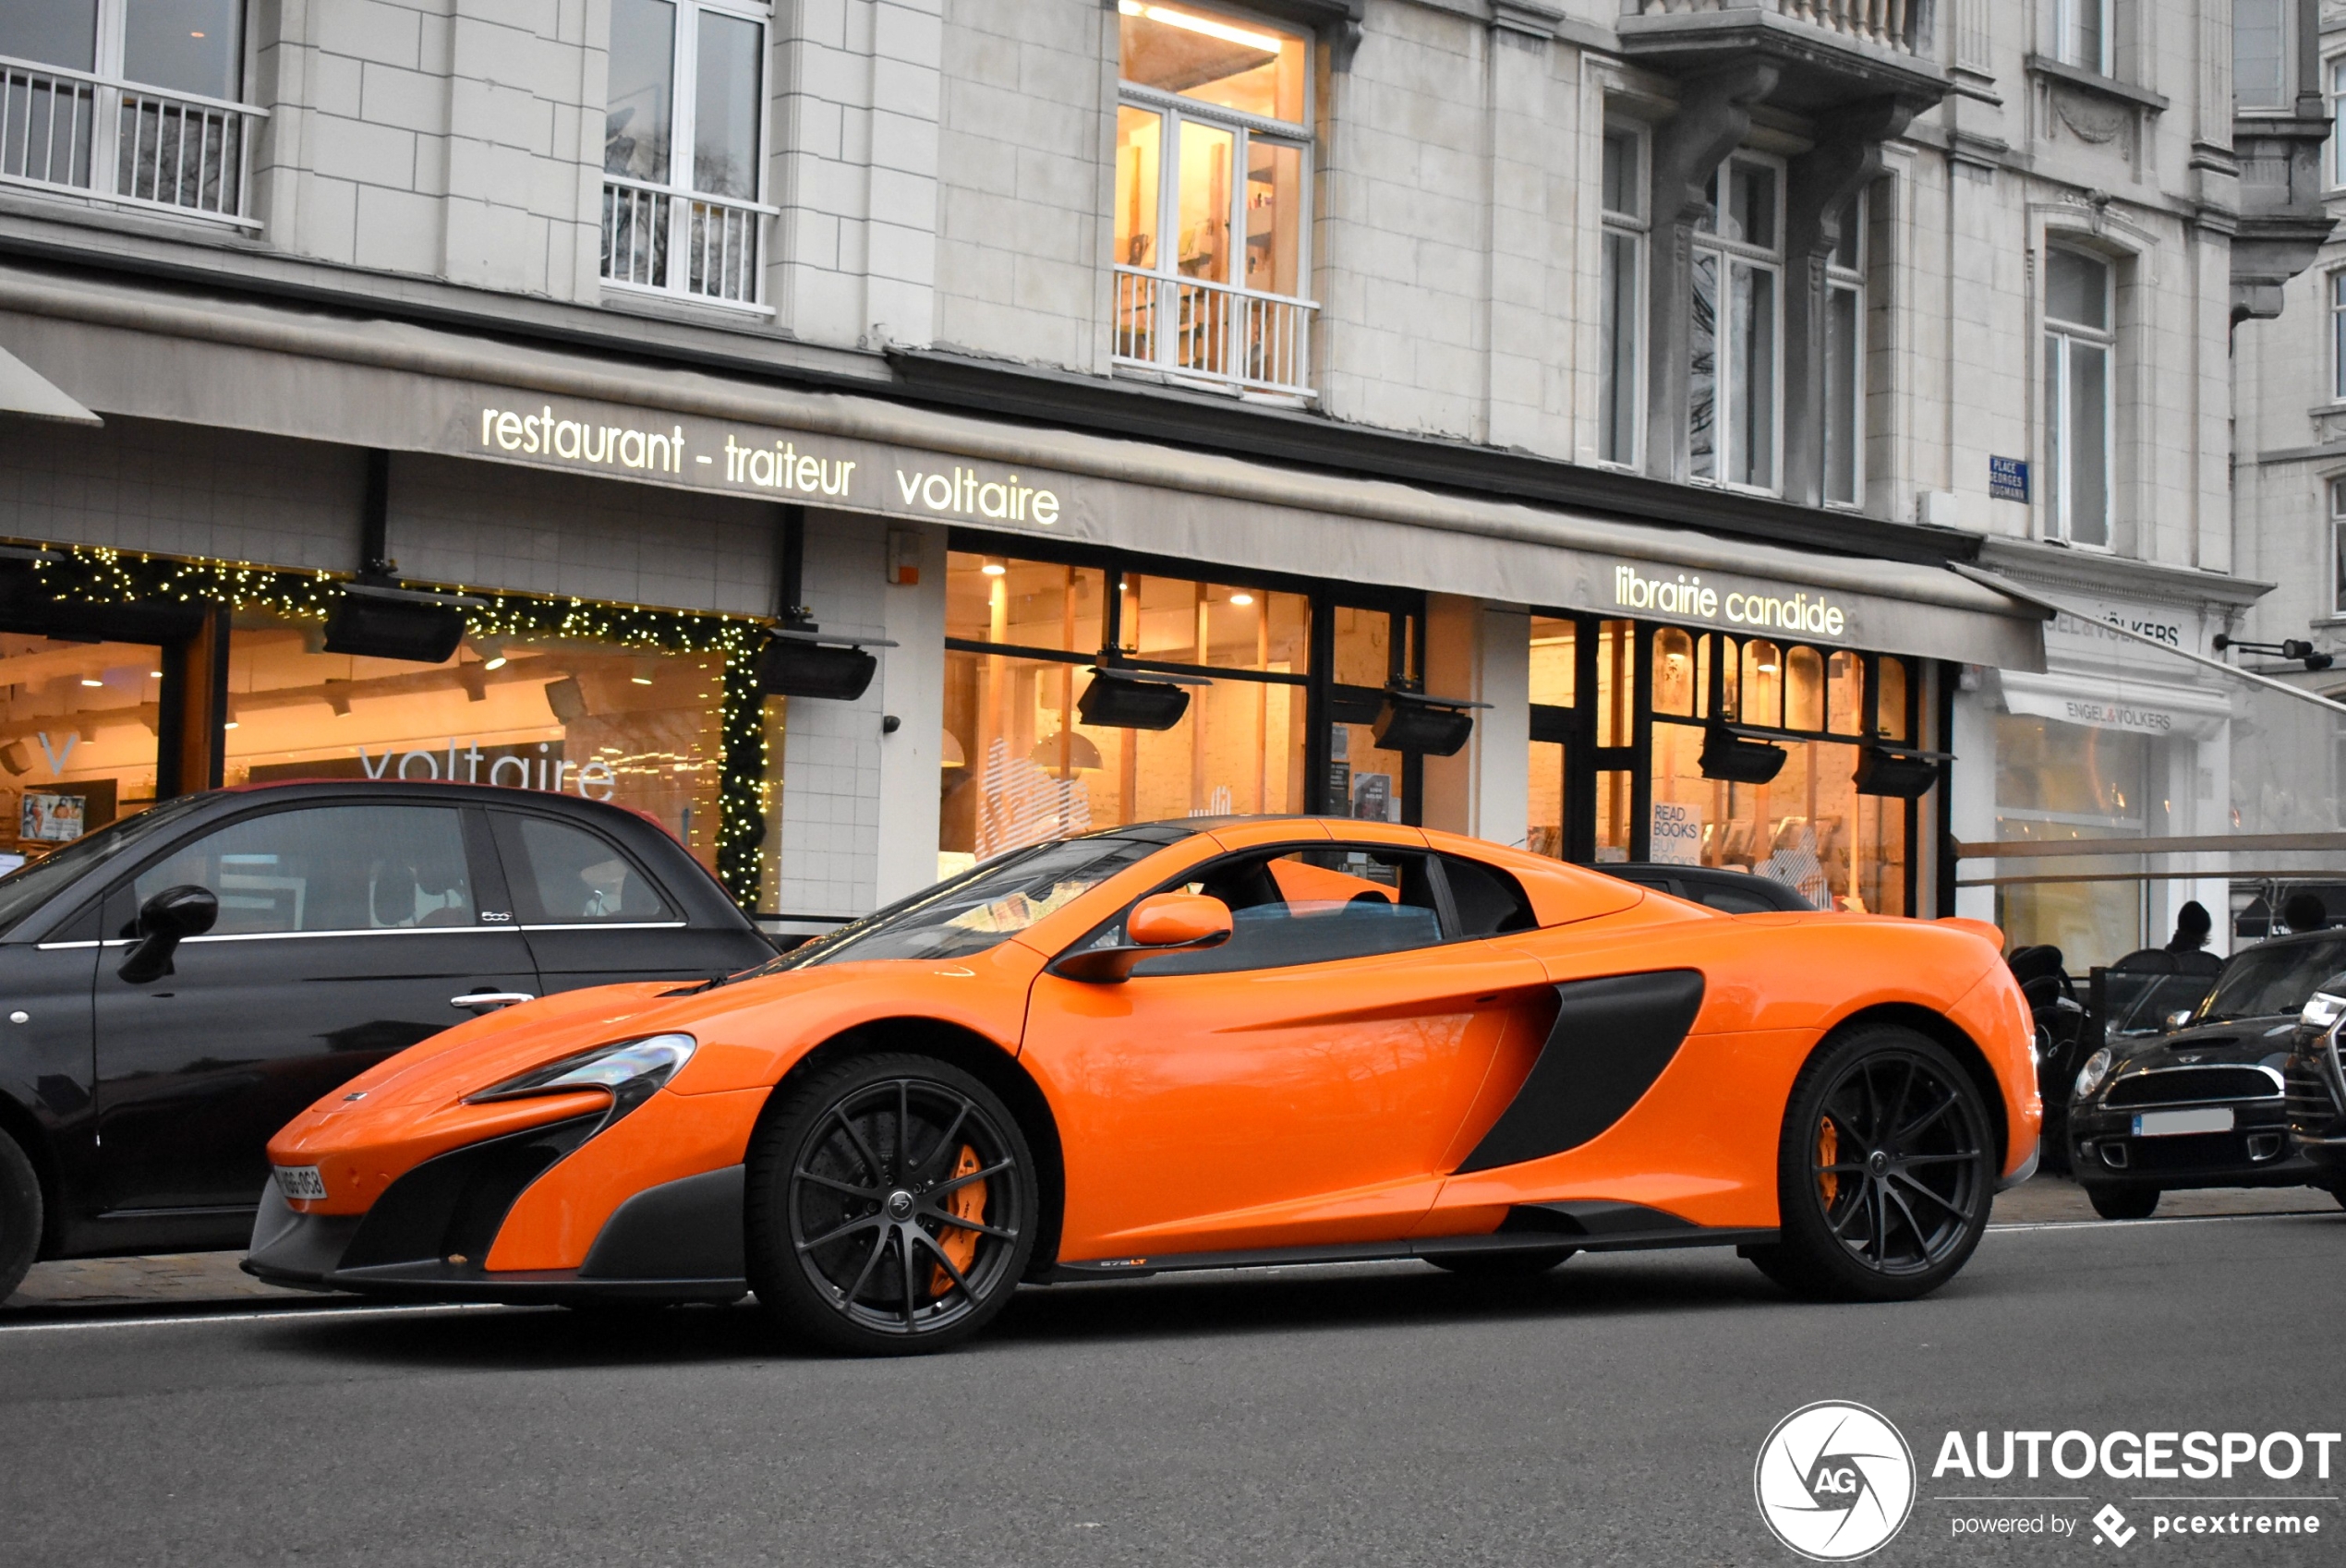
(1021, 767)
(2058, 781)
(1554, 667)
(1365, 780)
(1028, 604)
(1804, 696)
(1181, 622)
(1617, 682)
(1807, 828)
(1762, 703)
(637, 727)
(1673, 672)
(77, 729)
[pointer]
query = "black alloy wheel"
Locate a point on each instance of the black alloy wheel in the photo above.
(2123, 1202)
(891, 1206)
(1885, 1170)
(21, 1216)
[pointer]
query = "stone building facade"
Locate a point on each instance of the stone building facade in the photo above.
(1504, 346)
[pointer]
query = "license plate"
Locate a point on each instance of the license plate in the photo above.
(305, 1181)
(2171, 1124)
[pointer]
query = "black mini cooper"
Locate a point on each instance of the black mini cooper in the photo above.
(175, 987)
(2206, 1106)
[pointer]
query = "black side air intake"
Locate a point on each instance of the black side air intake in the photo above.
(1611, 1040)
(452, 1205)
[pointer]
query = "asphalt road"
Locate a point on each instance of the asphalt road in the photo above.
(1389, 1415)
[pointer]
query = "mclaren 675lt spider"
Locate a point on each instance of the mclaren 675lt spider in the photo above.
(1194, 1045)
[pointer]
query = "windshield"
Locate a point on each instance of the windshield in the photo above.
(976, 910)
(2273, 979)
(30, 887)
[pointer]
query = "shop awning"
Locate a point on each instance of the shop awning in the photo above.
(407, 388)
(25, 390)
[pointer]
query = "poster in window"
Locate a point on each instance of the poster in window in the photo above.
(1372, 797)
(51, 818)
(1676, 834)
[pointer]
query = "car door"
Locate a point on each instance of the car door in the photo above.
(594, 915)
(346, 932)
(1305, 1083)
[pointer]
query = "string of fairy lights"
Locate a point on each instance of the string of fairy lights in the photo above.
(96, 574)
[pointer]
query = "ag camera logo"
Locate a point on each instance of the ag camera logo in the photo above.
(1835, 1481)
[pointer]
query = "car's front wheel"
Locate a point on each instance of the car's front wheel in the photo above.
(1885, 1170)
(21, 1216)
(892, 1206)
(2123, 1202)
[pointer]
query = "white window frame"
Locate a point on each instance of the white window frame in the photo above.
(2336, 487)
(1635, 227)
(2334, 79)
(673, 201)
(2066, 16)
(1849, 280)
(2058, 337)
(1769, 258)
(2336, 280)
(101, 120)
(1295, 311)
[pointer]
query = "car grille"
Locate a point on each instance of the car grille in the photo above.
(2186, 1086)
(2312, 1101)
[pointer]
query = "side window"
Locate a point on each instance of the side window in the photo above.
(581, 879)
(1489, 902)
(1314, 906)
(326, 868)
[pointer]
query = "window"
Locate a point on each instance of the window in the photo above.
(134, 100)
(2337, 547)
(1314, 907)
(328, 868)
(976, 910)
(1732, 388)
(1621, 321)
(2077, 416)
(2336, 121)
(682, 149)
(1213, 196)
(578, 878)
(2260, 54)
(2082, 34)
(2337, 336)
(1845, 432)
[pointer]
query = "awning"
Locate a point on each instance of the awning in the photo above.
(407, 388)
(2155, 708)
(24, 390)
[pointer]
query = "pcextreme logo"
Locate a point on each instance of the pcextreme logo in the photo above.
(1835, 1481)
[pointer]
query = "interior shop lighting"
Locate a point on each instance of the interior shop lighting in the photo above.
(1241, 599)
(92, 681)
(1205, 25)
(993, 569)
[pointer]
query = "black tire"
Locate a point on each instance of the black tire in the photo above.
(2123, 1202)
(1501, 1265)
(864, 1240)
(21, 1216)
(1884, 1170)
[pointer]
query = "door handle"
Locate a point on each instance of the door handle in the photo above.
(489, 1001)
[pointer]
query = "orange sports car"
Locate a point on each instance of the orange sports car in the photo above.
(1191, 1044)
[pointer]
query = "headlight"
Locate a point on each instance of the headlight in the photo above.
(2097, 1068)
(631, 1069)
(2322, 1011)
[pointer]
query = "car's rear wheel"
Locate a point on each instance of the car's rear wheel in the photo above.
(21, 1216)
(1884, 1171)
(2123, 1202)
(892, 1205)
(1501, 1265)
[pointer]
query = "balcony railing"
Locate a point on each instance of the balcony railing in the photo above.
(1886, 24)
(141, 146)
(721, 240)
(1261, 341)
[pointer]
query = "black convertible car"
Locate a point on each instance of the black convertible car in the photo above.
(175, 987)
(2205, 1106)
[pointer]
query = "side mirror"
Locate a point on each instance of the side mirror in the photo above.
(164, 921)
(2178, 1019)
(1162, 922)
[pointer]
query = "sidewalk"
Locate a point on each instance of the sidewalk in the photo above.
(183, 1280)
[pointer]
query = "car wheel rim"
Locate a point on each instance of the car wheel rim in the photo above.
(904, 1205)
(1898, 1163)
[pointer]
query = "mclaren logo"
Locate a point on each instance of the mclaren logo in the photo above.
(1835, 1481)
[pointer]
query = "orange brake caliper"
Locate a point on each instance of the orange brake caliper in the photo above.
(1828, 1154)
(966, 1203)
